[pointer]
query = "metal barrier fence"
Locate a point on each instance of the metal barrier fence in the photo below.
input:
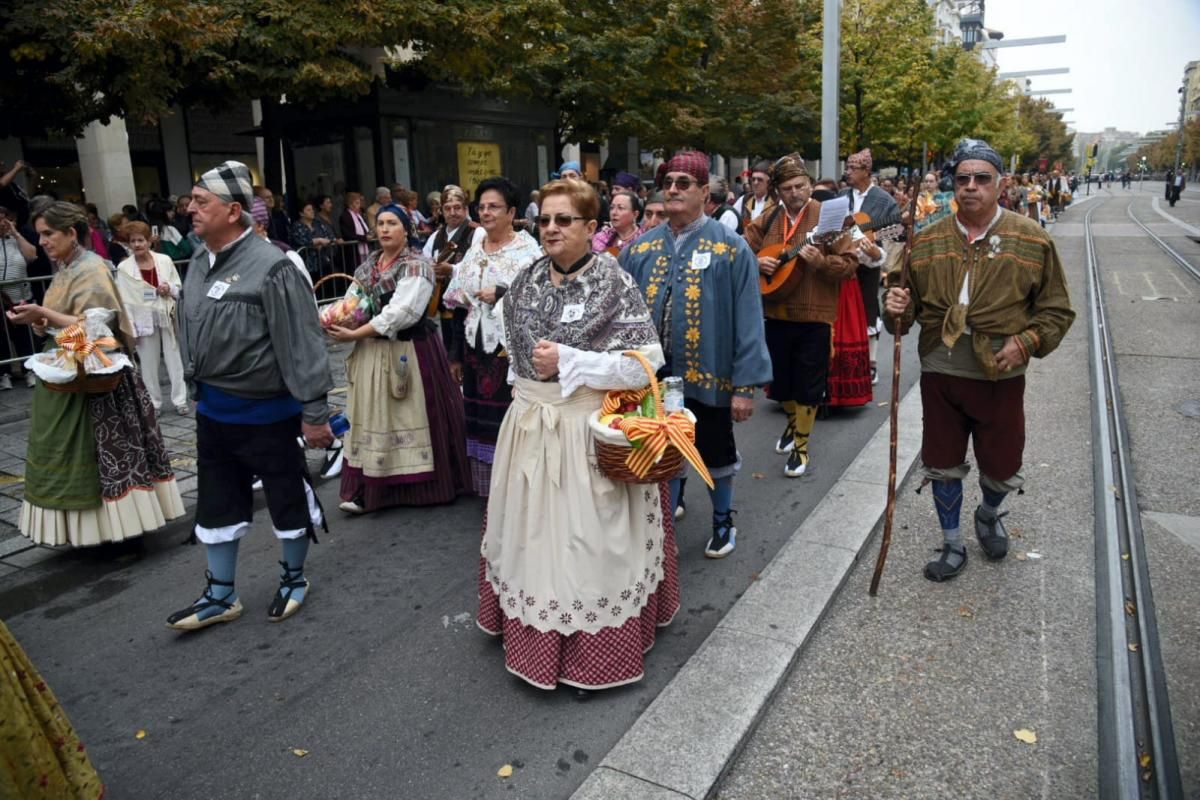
(18, 342)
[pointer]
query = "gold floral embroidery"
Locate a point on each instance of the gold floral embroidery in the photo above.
(651, 292)
(693, 334)
(692, 292)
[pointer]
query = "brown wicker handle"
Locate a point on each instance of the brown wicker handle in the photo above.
(645, 362)
(333, 275)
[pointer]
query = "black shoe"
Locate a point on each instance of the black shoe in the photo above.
(943, 569)
(724, 538)
(787, 442)
(797, 463)
(993, 538)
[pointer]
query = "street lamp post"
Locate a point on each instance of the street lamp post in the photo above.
(1180, 129)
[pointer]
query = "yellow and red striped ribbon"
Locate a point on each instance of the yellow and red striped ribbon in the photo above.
(77, 346)
(655, 434)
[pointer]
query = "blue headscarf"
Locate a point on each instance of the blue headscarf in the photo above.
(392, 208)
(566, 165)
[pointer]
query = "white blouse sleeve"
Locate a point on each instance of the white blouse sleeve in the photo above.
(605, 371)
(406, 307)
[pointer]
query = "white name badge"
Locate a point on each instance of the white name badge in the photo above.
(218, 290)
(701, 260)
(572, 313)
(148, 293)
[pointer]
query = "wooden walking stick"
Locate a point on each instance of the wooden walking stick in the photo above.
(890, 515)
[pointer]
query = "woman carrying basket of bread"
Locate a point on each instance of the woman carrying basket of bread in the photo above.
(407, 445)
(96, 469)
(577, 571)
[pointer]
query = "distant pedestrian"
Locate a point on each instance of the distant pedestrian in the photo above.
(1169, 186)
(978, 333)
(1177, 185)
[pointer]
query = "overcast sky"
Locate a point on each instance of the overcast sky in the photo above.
(1126, 56)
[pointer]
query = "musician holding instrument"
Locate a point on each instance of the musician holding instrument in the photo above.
(989, 292)
(445, 249)
(800, 286)
(699, 281)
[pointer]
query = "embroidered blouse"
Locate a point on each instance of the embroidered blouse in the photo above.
(478, 270)
(400, 292)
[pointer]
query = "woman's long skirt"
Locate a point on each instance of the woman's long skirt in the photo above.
(850, 367)
(96, 468)
(576, 572)
(486, 397)
(40, 753)
(408, 452)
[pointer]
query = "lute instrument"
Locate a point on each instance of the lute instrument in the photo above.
(439, 284)
(783, 279)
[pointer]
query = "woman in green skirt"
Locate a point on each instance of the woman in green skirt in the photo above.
(96, 469)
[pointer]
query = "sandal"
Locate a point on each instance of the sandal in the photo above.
(189, 619)
(992, 535)
(284, 605)
(941, 569)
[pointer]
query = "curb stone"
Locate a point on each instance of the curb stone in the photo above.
(684, 741)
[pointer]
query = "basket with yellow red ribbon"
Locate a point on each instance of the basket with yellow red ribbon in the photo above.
(84, 359)
(637, 441)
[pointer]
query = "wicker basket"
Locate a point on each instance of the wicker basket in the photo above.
(612, 448)
(87, 384)
(331, 276)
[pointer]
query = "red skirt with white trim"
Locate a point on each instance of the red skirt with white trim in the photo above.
(611, 657)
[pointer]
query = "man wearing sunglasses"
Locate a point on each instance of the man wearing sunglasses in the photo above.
(700, 280)
(988, 290)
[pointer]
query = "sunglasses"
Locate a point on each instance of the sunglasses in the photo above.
(980, 178)
(560, 220)
(683, 182)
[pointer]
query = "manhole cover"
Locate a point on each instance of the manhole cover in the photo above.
(1189, 408)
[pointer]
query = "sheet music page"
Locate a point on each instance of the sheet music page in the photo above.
(833, 214)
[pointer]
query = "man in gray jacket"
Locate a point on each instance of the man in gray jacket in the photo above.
(256, 363)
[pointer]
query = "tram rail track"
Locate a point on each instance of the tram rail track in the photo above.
(1137, 752)
(1182, 262)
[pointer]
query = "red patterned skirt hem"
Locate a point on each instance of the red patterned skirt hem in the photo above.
(605, 659)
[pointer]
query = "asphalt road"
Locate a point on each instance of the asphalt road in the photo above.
(382, 681)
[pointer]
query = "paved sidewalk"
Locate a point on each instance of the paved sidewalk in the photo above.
(179, 433)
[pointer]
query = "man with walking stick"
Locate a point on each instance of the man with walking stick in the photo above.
(988, 290)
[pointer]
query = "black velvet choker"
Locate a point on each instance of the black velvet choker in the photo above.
(571, 270)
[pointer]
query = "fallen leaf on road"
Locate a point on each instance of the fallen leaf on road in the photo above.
(758, 476)
(754, 576)
(1144, 760)
(1020, 556)
(505, 771)
(1133, 647)
(1124, 556)
(140, 735)
(1130, 608)
(298, 753)
(966, 611)
(1025, 735)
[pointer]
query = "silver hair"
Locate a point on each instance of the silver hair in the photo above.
(380, 191)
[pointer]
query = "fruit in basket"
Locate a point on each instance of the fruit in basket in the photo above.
(607, 419)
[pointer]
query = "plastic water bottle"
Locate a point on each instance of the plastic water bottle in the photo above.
(339, 424)
(402, 376)
(672, 394)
